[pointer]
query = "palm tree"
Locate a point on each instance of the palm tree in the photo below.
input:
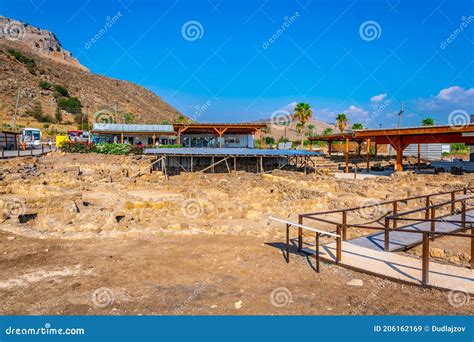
(427, 122)
(341, 121)
(302, 113)
(310, 130)
(357, 126)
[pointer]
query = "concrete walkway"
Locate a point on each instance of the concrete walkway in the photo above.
(399, 267)
(400, 240)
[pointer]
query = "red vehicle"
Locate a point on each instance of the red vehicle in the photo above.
(78, 136)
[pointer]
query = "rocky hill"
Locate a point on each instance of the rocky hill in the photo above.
(55, 90)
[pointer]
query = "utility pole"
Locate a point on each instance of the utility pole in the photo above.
(16, 109)
(400, 113)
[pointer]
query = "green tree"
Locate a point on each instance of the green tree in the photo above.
(341, 121)
(310, 130)
(302, 113)
(328, 131)
(129, 118)
(61, 90)
(357, 126)
(181, 119)
(427, 122)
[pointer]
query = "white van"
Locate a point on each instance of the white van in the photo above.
(31, 137)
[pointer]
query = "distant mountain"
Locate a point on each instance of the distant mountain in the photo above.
(33, 61)
(277, 129)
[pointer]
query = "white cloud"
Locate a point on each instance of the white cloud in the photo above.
(290, 107)
(447, 100)
(378, 98)
(456, 95)
(356, 113)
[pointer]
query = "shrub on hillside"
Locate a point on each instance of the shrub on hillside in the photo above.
(45, 85)
(76, 147)
(70, 104)
(61, 90)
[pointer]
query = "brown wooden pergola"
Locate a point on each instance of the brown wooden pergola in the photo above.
(400, 138)
(217, 129)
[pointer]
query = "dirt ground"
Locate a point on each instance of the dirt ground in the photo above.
(79, 235)
(197, 275)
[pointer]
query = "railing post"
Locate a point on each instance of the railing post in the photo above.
(287, 243)
(427, 204)
(317, 252)
(344, 225)
(425, 269)
(453, 203)
(463, 214)
(472, 249)
(339, 244)
(395, 210)
(433, 223)
(18, 152)
(387, 235)
(300, 234)
(42, 149)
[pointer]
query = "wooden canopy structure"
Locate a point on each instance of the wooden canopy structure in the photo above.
(400, 138)
(217, 129)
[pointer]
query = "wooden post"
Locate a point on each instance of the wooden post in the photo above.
(386, 244)
(433, 223)
(344, 225)
(287, 243)
(368, 155)
(426, 260)
(42, 149)
(213, 169)
(376, 148)
(153, 139)
(427, 204)
(317, 252)
(121, 138)
(419, 157)
(192, 163)
(399, 160)
(330, 147)
(300, 234)
(463, 214)
(311, 145)
(395, 211)
(453, 203)
(339, 244)
(179, 136)
(472, 249)
(347, 155)
(235, 163)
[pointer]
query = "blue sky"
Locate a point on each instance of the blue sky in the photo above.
(358, 57)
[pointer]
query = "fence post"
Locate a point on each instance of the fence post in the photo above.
(426, 260)
(395, 210)
(287, 243)
(433, 223)
(463, 214)
(453, 203)
(427, 204)
(18, 152)
(387, 235)
(300, 234)
(339, 244)
(344, 225)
